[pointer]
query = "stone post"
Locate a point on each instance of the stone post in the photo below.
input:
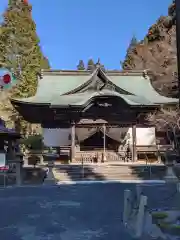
(138, 193)
(41, 159)
(19, 163)
(18, 173)
(178, 187)
(127, 209)
(170, 175)
(51, 157)
(49, 173)
(140, 217)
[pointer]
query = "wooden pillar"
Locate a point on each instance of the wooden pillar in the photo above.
(104, 143)
(134, 150)
(73, 142)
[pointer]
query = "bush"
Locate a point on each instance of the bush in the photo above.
(159, 215)
(34, 142)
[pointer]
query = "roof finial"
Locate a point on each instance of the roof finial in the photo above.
(145, 73)
(98, 64)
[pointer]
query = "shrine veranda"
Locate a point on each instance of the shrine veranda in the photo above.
(100, 113)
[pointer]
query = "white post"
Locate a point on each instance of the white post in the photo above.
(127, 199)
(140, 217)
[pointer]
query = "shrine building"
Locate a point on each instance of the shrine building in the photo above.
(94, 113)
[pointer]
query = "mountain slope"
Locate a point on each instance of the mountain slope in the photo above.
(157, 54)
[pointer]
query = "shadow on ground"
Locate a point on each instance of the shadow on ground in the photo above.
(30, 176)
(148, 172)
(153, 172)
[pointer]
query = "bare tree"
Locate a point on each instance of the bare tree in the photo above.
(159, 57)
(167, 120)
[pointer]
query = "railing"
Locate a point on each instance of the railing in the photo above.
(86, 157)
(98, 156)
(119, 156)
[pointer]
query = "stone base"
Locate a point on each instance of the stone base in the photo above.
(49, 178)
(170, 175)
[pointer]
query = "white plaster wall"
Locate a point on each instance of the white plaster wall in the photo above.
(56, 137)
(62, 136)
(144, 136)
(2, 160)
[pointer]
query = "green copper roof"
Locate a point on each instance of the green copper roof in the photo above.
(55, 88)
(81, 99)
(140, 86)
(60, 84)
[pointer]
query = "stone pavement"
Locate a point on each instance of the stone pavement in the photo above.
(69, 212)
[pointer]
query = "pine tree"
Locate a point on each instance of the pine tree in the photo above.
(81, 66)
(20, 49)
(90, 65)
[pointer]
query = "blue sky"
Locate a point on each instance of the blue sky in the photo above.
(70, 30)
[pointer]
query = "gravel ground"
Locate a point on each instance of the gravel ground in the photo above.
(72, 212)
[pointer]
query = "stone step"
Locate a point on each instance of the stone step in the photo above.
(104, 171)
(96, 175)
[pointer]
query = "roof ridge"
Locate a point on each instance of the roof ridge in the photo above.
(87, 72)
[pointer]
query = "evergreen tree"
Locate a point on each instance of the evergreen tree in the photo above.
(20, 49)
(81, 66)
(128, 60)
(133, 43)
(19, 39)
(90, 65)
(45, 63)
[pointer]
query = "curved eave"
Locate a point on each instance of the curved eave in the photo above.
(23, 102)
(82, 100)
(168, 102)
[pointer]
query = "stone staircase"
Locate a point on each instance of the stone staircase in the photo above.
(106, 172)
